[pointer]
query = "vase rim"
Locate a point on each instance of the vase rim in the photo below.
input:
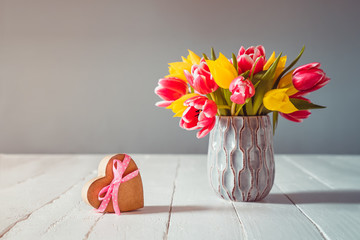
(266, 115)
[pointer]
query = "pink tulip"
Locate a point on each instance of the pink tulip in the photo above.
(241, 90)
(170, 89)
(247, 59)
(200, 113)
(308, 78)
(201, 79)
(297, 116)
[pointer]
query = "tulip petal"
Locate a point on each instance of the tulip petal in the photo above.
(204, 131)
(163, 103)
(261, 50)
(222, 71)
(168, 94)
(245, 62)
(278, 100)
(209, 109)
(280, 67)
(286, 80)
(178, 106)
(189, 114)
(297, 116)
(193, 58)
(270, 61)
(175, 84)
(307, 67)
(176, 69)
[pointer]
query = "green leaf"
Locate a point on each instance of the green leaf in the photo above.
(223, 107)
(238, 109)
(289, 67)
(205, 57)
(257, 77)
(227, 95)
(266, 81)
(304, 105)
(253, 68)
(219, 99)
(256, 84)
(245, 74)
(235, 63)
(249, 108)
(213, 56)
(275, 121)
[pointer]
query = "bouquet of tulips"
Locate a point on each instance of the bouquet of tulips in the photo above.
(199, 88)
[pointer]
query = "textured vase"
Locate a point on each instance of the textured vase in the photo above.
(240, 158)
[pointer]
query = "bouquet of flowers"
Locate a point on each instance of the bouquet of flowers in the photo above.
(198, 89)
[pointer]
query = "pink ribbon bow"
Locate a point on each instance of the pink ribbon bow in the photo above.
(111, 190)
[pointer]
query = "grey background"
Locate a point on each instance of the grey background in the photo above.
(78, 76)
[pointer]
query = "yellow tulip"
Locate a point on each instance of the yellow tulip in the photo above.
(176, 69)
(178, 105)
(192, 58)
(222, 71)
(269, 61)
(279, 68)
(286, 82)
(278, 100)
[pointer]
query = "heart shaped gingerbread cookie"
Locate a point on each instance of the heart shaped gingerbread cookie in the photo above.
(118, 187)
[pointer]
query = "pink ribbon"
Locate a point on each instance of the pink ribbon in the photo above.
(111, 190)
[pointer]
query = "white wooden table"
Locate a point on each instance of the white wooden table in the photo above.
(314, 197)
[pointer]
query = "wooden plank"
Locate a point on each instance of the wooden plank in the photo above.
(306, 203)
(330, 210)
(275, 217)
(69, 217)
(197, 213)
(24, 198)
(337, 172)
(158, 174)
(15, 169)
(66, 217)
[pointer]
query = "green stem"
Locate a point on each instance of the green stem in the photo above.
(253, 69)
(233, 105)
(260, 109)
(213, 97)
(223, 107)
(249, 108)
(238, 111)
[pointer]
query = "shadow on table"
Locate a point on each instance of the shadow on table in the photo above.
(162, 209)
(338, 196)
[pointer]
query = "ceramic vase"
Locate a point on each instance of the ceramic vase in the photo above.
(241, 164)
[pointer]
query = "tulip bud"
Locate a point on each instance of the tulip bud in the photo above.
(170, 89)
(201, 79)
(241, 90)
(248, 58)
(308, 78)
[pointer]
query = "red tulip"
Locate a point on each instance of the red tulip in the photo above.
(200, 113)
(247, 59)
(308, 78)
(170, 89)
(241, 90)
(201, 79)
(297, 116)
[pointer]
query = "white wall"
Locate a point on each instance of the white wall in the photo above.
(78, 76)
